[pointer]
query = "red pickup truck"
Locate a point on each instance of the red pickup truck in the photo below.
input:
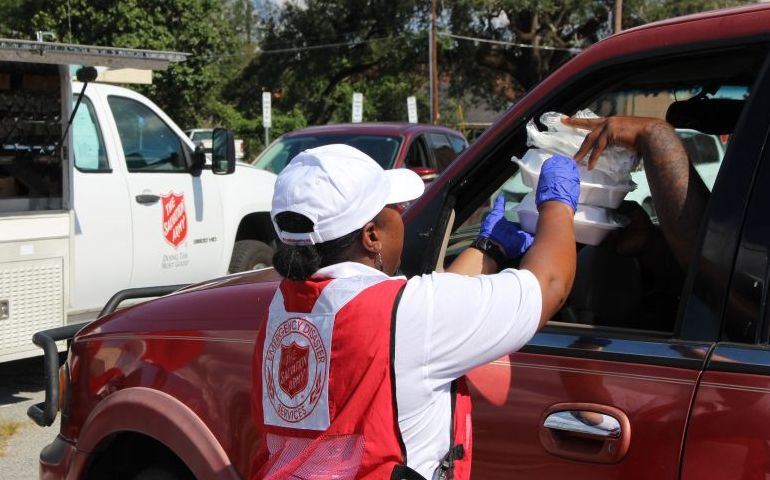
(648, 372)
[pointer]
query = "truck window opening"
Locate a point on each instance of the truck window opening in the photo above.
(30, 126)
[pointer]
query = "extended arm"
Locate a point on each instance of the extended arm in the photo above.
(679, 193)
(508, 237)
(473, 262)
(552, 257)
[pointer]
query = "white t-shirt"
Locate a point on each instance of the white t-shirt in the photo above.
(446, 325)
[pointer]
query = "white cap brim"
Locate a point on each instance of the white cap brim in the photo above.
(405, 185)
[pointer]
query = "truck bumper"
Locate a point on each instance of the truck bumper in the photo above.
(60, 460)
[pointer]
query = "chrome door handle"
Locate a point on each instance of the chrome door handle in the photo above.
(593, 424)
(586, 432)
(147, 199)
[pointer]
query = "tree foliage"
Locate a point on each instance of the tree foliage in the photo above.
(315, 55)
(185, 90)
(539, 35)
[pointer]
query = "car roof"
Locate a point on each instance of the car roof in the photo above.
(719, 13)
(711, 26)
(374, 128)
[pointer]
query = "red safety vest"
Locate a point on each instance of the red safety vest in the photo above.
(328, 408)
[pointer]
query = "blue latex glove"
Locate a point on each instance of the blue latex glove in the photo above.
(507, 234)
(560, 181)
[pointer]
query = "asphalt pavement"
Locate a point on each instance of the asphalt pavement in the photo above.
(21, 385)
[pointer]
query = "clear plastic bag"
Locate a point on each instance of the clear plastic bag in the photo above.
(596, 188)
(615, 163)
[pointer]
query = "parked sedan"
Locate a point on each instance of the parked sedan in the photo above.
(426, 149)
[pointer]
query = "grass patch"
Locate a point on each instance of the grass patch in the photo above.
(8, 428)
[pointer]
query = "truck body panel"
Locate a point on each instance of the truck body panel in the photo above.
(112, 204)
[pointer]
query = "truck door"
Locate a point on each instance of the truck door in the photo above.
(102, 257)
(731, 410)
(176, 217)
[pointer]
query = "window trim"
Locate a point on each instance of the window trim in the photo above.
(100, 130)
(182, 145)
(631, 349)
(752, 226)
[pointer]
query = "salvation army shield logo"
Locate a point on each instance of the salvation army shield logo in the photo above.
(293, 369)
(174, 218)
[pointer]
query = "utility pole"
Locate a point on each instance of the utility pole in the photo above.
(433, 66)
(430, 75)
(618, 15)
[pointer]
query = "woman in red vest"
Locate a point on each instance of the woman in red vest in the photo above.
(358, 374)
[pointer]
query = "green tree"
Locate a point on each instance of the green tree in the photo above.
(186, 90)
(316, 54)
(535, 36)
(243, 18)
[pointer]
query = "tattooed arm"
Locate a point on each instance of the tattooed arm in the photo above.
(679, 193)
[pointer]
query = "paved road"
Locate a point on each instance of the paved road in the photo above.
(21, 385)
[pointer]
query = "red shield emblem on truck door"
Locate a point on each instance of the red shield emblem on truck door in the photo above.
(174, 218)
(293, 368)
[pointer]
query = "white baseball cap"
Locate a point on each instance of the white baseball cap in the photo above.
(339, 188)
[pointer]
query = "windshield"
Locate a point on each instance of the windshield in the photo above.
(381, 148)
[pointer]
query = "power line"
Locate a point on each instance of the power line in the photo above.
(299, 49)
(328, 45)
(352, 43)
(502, 42)
(274, 44)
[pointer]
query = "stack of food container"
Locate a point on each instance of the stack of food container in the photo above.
(601, 189)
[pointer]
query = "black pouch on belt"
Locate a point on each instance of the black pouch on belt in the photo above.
(402, 472)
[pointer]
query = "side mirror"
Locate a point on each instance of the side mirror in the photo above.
(222, 152)
(426, 174)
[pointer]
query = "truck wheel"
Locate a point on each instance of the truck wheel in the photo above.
(250, 255)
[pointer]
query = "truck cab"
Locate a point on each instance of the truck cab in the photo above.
(101, 191)
(140, 207)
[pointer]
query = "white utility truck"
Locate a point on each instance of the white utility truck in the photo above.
(121, 198)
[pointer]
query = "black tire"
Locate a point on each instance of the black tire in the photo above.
(250, 255)
(163, 472)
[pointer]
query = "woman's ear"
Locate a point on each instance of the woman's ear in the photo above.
(370, 238)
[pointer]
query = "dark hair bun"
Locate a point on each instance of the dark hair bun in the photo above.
(296, 262)
(300, 262)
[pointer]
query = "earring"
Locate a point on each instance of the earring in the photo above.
(378, 261)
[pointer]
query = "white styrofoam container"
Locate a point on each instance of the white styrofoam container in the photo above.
(592, 224)
(594, 194)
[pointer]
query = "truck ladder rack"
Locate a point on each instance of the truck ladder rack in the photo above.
(12, 50)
